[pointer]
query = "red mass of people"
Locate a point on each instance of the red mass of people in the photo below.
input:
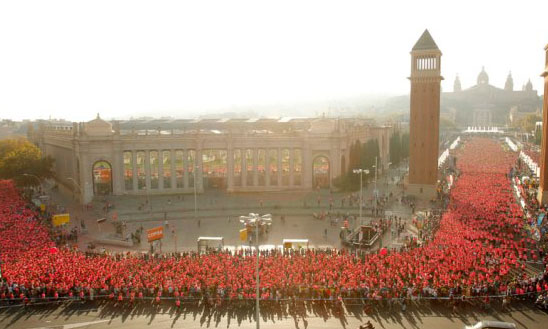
(478, 250)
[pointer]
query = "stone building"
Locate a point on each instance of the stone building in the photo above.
(484, 105)
(140, 157)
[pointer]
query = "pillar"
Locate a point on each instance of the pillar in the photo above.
(291, 165)
(199, 171)
(173, 169)
(542, 196)
(117, 170)
(134, 169)
(230, 168)
(306, 175)
(255, 167)
(243, 175)
(160, 170)
(147, 169)
(279, 158)
(267, 167)
(185, 168)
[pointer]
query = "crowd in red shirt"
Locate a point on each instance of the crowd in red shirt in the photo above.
(479, 249)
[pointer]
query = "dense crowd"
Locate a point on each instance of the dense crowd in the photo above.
(479, 249)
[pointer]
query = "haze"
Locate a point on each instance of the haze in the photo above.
(72, 59)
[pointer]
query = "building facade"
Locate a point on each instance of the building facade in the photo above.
(141, 157)
(484, 105)
(425, 116)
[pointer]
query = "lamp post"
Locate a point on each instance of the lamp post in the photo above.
(148, 200)
(258, 220)
(360, 171)
(375, 190)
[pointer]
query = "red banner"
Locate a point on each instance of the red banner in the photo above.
(155, 233)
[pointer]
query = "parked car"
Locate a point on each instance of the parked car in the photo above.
(492, 325)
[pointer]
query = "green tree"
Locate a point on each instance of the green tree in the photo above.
(395, 148)
(404, 146)
(21, 161)
(527, 124)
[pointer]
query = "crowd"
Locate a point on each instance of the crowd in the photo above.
(477, 251)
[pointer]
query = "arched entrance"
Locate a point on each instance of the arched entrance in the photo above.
(102, 178)
(320, 172)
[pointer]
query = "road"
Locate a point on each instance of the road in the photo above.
(110, 316)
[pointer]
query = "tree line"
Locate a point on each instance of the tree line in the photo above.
(362, 156)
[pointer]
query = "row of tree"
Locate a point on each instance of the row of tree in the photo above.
(22, 161)
(362, 156)
(399, 147)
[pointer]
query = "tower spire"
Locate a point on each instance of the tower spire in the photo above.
(425, 42)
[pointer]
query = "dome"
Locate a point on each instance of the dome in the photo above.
(529, 85)
(483, 78)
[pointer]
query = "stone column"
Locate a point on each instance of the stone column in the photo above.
(134, 169)
(279, 158)
(147, 169)
(291, 165)
(117, 170)
(185, 168)
(244, 167)
(230, 169)
(199, 172)
(173, 169)
(267, 167)
(160, 170)
(307, 168)
(255, 167)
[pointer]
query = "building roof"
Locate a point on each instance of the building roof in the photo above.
(425, 42)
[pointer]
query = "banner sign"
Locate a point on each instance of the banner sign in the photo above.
(60, 219)
(540, 218)
(155, 233)
(243, 234)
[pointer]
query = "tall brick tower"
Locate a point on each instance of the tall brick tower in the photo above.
(542, 196)
(425, 117)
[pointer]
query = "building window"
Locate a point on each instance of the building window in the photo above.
(154, 165)
(191, 167)
(166, 163)
(141, 173)
(128, 170)
(179, 169)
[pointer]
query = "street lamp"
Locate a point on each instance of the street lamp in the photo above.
(375, 190)
(148, 200)
(257, 220)
(360, 171)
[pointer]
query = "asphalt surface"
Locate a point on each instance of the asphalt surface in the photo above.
(109, 315)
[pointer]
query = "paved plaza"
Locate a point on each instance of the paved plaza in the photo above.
(217, 214)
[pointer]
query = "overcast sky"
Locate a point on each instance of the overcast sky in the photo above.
(72, 59)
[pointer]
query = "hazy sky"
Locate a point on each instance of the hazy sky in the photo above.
(71, 59)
